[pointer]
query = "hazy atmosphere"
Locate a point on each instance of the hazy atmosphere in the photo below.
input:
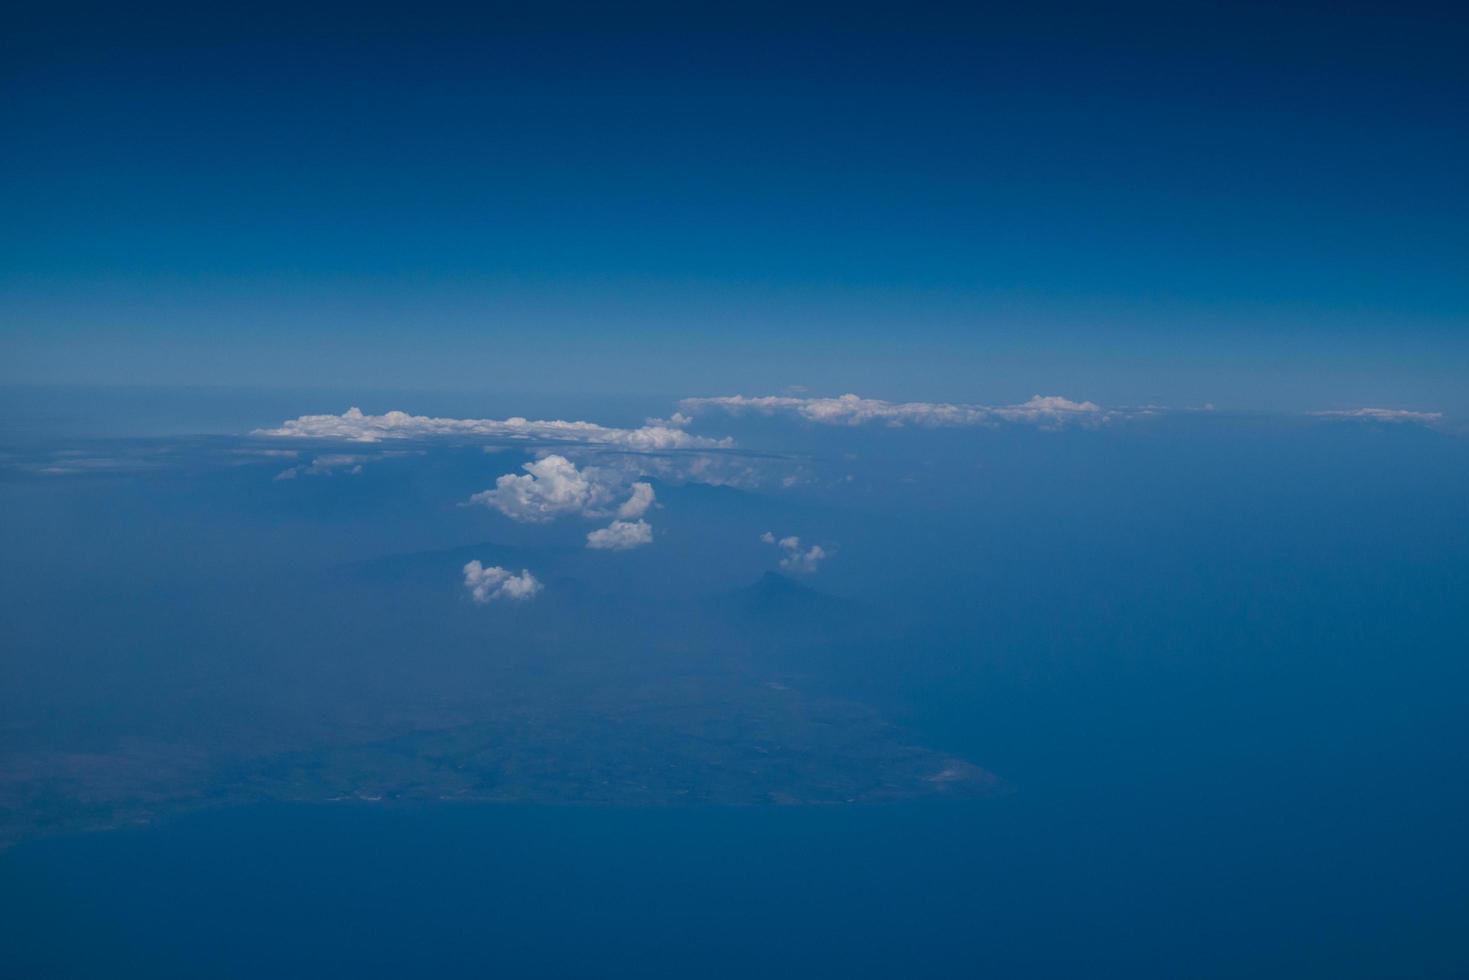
(588, 492)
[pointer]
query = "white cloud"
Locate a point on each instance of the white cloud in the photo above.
(677, 420)
(1384, 415)
(804, 562)
(1043, 410)
(553, 487)
(621, 535)
(355, 426)
(485, 585)
(637, 505)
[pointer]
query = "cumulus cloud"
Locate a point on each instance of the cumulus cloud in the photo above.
(553, 486)
(355, 426)
(1043, 410)
(486, 585)
(1384, 415)
(796, 559)
(621, 535)
(637, 505)
(805, 562)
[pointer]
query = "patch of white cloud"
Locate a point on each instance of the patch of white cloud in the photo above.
(621, 536)
(553, 487)
(490, 584)
(677, 420)
(802, 561)
(354, 425)
(637, 505)
(1384, 415)
(1044, 410)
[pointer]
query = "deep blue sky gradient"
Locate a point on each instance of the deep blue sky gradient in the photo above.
(1255, 205)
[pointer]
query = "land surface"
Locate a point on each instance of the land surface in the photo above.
(708, 703)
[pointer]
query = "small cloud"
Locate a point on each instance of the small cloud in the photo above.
(805, 562)
(621, 536)
(677, 420)
(486, 585)
(637, 505)
(801, 561)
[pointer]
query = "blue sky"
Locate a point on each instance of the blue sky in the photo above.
(1256, 206)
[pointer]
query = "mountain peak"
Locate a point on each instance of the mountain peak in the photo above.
(774, 583)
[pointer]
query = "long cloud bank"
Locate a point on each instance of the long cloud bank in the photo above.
(1383, 415)
(354, 425)
(1045, 410)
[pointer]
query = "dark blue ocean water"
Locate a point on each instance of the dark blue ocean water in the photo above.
(1184, 885)
(1015, 887)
